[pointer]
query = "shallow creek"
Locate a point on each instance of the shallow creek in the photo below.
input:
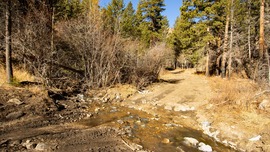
(155, 133)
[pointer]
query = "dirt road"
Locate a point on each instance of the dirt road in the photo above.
(180, 91)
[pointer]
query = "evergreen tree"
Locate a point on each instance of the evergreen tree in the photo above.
(151, 21)
(75, 8)
(200, 23)
(128, 28)
(112, 15)
(66, 9)
(152, 10)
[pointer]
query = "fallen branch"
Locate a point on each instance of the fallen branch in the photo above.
(81, 72)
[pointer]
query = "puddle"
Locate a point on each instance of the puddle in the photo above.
(150, 131)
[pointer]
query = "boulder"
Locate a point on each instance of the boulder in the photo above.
(189, 141)
(40, 147)
(205, 148)
(27, 144)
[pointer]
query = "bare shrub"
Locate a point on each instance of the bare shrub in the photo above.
(106, 59)
(148, 69)
(95, 53)
(143, 68)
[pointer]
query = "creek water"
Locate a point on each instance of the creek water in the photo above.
(152, 132)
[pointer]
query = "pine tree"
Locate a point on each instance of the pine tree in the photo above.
(199, 24)
(128, 21)
(66, 9)
(152, 10)
(112, 15)
(152, 22)
(75, 8)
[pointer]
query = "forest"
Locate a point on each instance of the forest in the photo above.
(76, 75)
(72, 42)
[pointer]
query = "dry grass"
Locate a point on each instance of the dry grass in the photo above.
(237, 93)
(19, 75)
(235, 104)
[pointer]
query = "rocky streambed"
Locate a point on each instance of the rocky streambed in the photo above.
(154, 132)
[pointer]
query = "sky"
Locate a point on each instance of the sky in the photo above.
(172, 8)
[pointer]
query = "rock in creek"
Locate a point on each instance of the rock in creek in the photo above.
(189, 141)
(165, 141)
(205, 148)
(192, 142)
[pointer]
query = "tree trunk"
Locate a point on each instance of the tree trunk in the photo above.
(262, 40)
(52, 28)
(207, 73)
(52, 37)
(175, 62)
(249, 29)
(231, 41)
(225, 47)
(268, 64)
(218, 59)
(9, 70)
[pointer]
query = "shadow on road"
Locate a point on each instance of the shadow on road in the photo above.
(172, 81)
